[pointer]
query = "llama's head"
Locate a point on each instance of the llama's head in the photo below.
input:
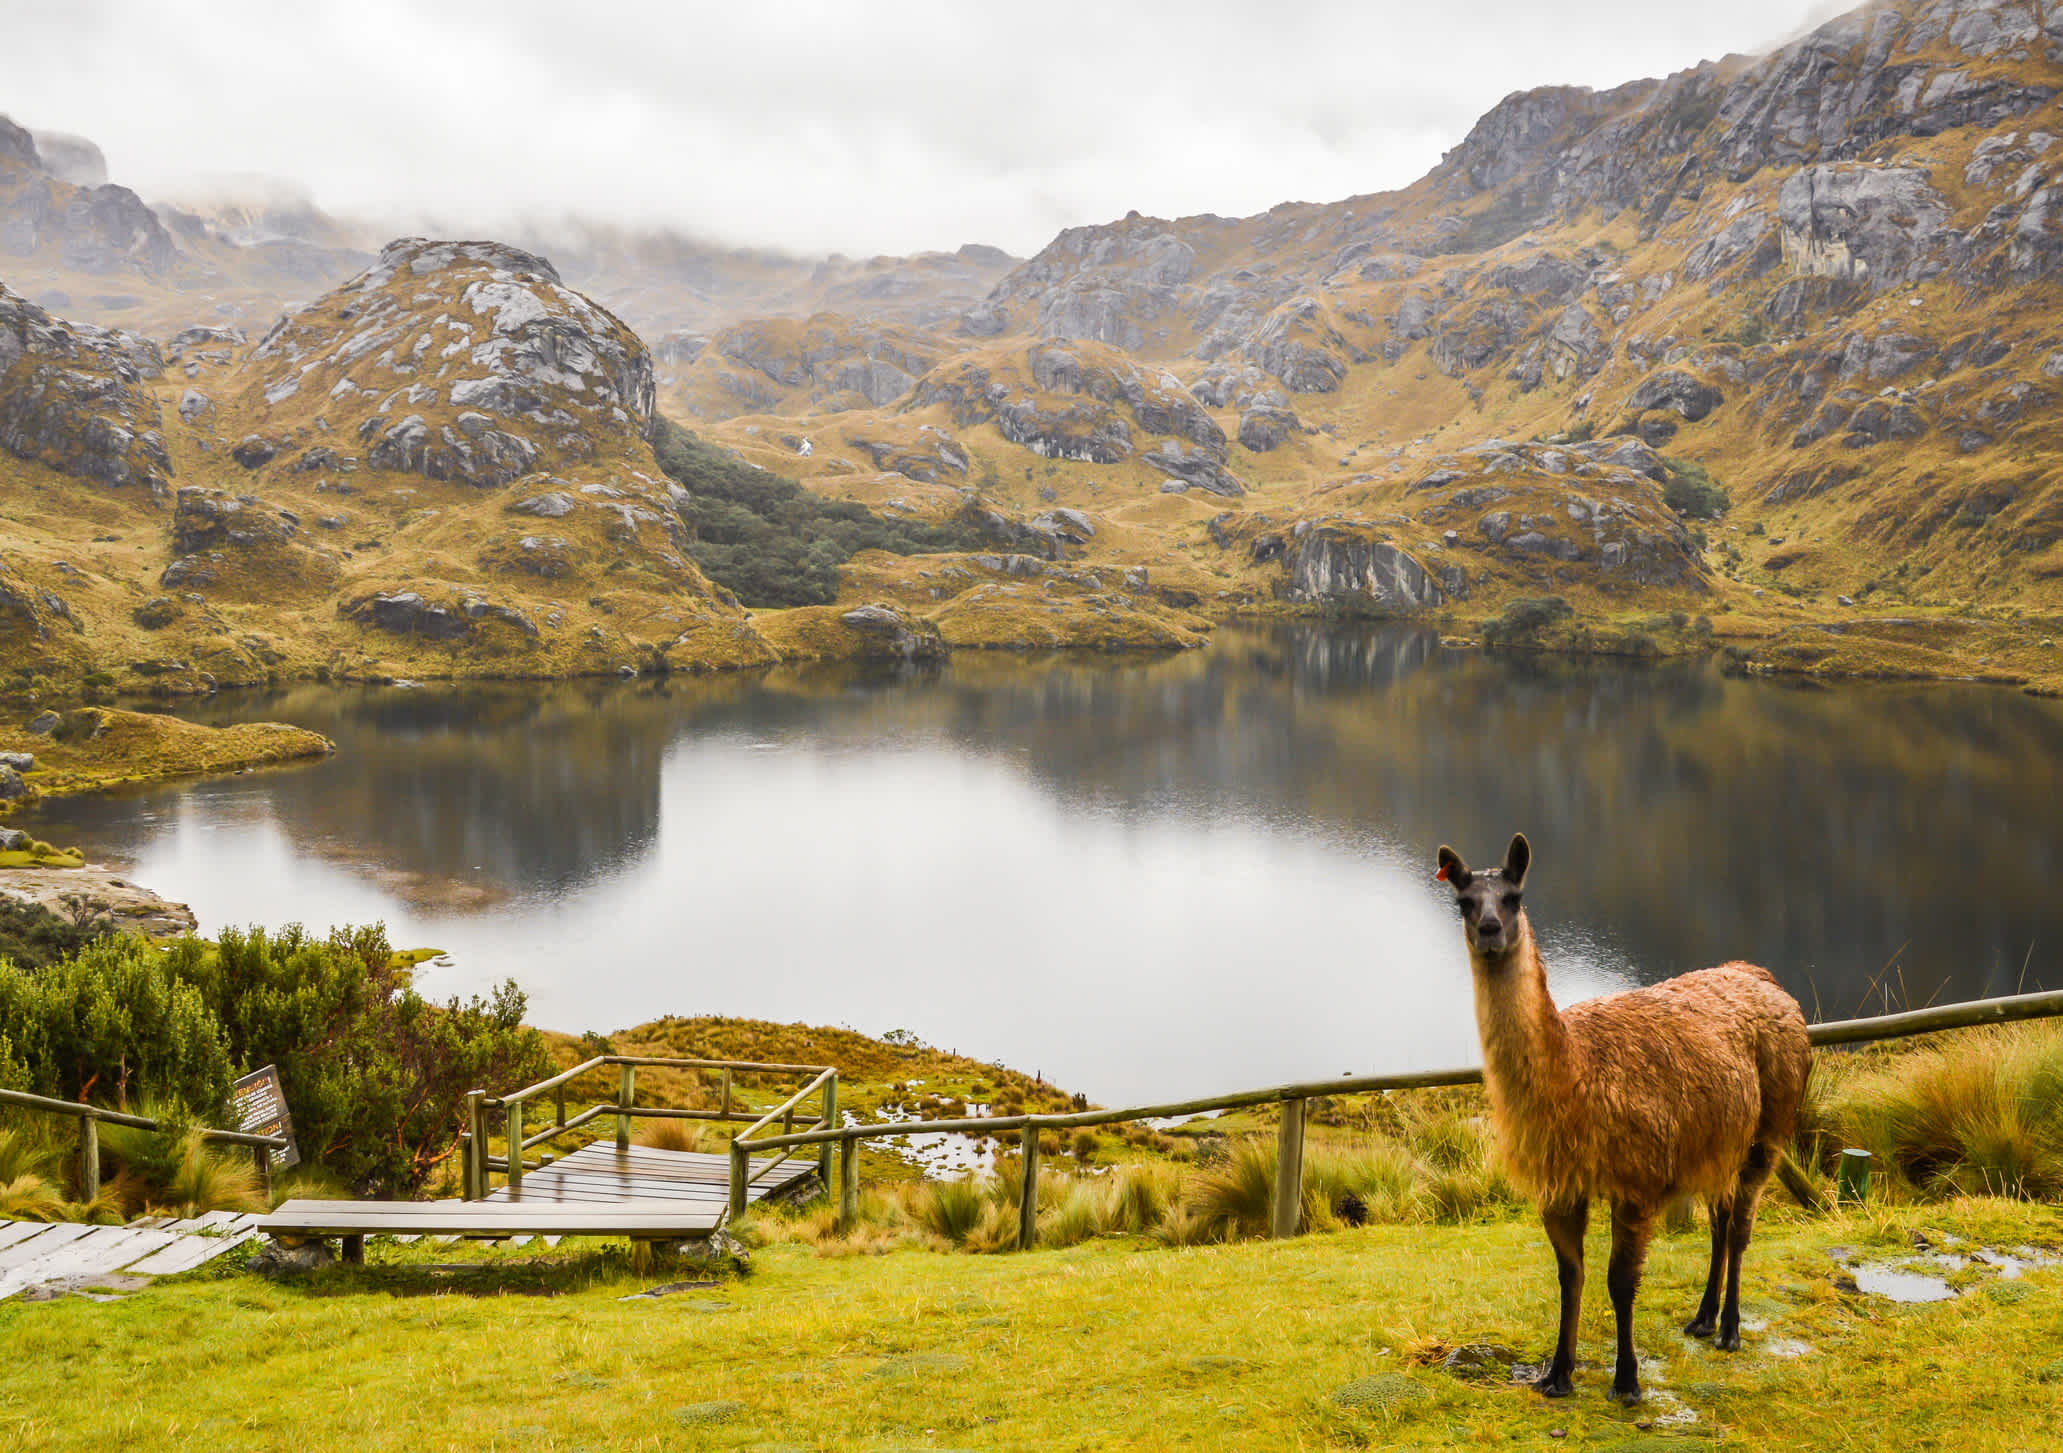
(1489, 900)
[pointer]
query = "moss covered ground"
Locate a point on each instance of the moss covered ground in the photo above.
(96, 747)
(1337, 1340)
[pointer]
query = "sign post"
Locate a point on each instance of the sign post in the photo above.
(261, 1109)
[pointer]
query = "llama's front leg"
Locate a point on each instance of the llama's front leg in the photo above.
(1707, 1317)
(1754, 1176)
(1565, 1229)
(1632, 1226)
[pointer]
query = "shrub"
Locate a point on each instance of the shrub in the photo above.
(33, 937)
(771, 541)
(1526, 617)
(1692, 492)
(374, 1074)
(112, 1021)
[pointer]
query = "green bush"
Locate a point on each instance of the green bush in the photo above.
(1692, 492)
(769, 540)
(32, 936)
(1526, 617)
(374, 1074)
(112, 1022)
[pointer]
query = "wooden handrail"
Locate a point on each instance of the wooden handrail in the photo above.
(477, 1162)
(81, 1111)
(1289, 1164)
(601, 1060)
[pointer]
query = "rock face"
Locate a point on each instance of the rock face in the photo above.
(466, 361)
(894, 635)
(1082, 402)
(101, 894)
(73, 396)
(1338, 567)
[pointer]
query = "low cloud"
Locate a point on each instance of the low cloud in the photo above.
(888, 127)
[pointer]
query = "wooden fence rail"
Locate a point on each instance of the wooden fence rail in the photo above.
(1295, 1100)
(91, 1117)
(478, 1165)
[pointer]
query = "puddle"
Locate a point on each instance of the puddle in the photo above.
(1169, 1122)
(943, 1155)
(1924, 1276)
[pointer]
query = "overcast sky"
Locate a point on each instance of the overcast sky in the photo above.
(863, 126)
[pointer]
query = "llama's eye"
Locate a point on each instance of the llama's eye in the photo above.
(1511, 900)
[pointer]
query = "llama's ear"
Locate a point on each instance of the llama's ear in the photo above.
(1516, 859)
(1453, 871)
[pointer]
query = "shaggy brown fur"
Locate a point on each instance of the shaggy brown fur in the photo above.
(1690, 1086)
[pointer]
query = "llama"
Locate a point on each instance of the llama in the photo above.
(1690, 1086)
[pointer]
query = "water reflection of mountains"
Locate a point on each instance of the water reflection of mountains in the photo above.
(1826, 832)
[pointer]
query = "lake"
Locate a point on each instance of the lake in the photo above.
(1141, 878)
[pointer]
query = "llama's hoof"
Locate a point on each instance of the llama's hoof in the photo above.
(1553, 1385)
(1729, 1340)
(1626, 1392)
(1700, 1327)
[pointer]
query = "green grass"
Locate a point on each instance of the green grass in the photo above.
(1116, 1343)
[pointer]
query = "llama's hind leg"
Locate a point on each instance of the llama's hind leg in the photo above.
(1707, 1319)
(1761, 1163)
(1565, 1229)
(1632, 1227)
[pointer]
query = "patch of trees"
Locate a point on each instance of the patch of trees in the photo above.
(770, 541)
(374, 1074)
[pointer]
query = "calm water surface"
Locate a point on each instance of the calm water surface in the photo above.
(1140, 878)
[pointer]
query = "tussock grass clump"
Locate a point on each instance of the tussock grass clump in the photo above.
(681, 1135)
(949, 1210)
(1980, 1113)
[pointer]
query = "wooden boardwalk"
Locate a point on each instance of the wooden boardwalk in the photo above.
(600, 1173)
(66, 1256)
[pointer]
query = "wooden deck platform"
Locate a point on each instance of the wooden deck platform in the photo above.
(599, 1173)
(494, 1220)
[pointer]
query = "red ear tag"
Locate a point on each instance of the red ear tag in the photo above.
(1441, 876)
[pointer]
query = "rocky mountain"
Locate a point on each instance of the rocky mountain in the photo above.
(1825, 280)
(1773, 342)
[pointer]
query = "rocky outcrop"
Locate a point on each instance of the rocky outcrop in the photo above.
(1264, 427)
(73, 397)
(1076, 401)
(467, 361)
(410, 613)
(891, 634)
(1345, 568)
(1875, 224)
(98, 895)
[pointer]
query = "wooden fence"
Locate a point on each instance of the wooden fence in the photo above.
(477, 1163)
(91, 1117)
(1295, 1100)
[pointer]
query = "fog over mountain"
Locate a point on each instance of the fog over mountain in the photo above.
(890, 127)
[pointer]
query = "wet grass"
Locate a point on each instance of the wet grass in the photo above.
(1334, 1340)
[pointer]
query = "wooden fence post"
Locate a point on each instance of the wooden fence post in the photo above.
(261, 1157)
(1028, 1192)
(1289, 1170)
(476, 1146)
(739, 1169)
(89, 1157)
(848, 1184)
(626, 1096)
(516, 1151)
(830, 1123)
